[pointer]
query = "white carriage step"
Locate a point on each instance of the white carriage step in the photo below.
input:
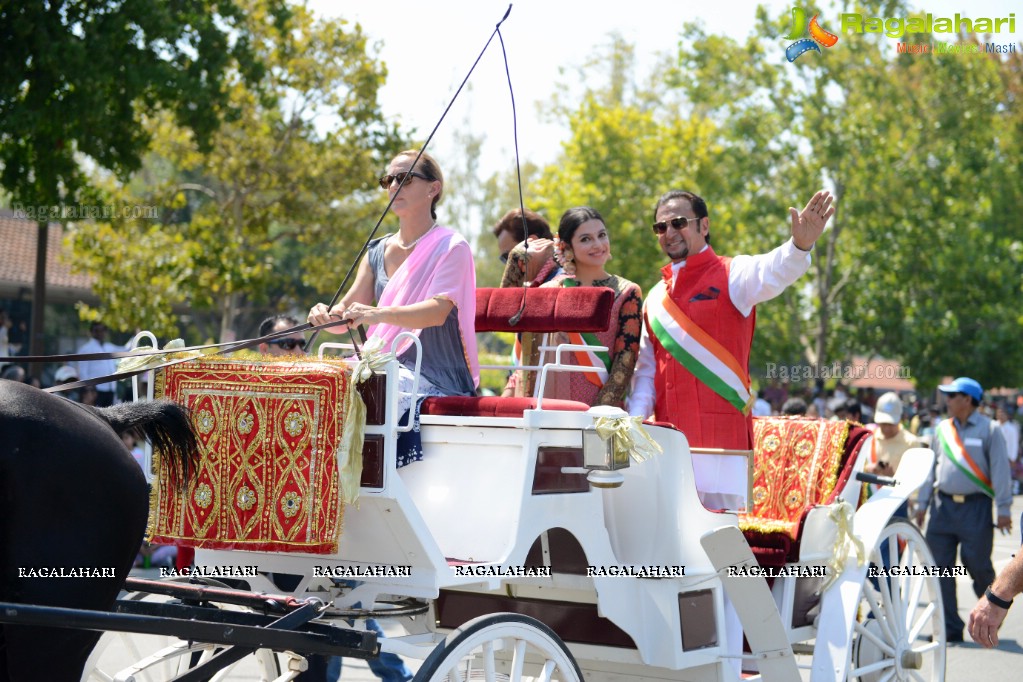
(752, 600)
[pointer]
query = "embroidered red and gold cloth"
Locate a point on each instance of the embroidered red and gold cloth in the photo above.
(268, 478)
(795, 466)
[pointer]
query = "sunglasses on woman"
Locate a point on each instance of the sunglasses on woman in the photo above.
(679, 223)
(289, 344)
(385, 181)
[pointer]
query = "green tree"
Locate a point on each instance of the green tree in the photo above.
(77, 78)
(923, 258)
(630, 142)
(623, 152)
(913, 267)
(273, 208)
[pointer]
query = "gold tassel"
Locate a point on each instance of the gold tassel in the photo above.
(842, 514)
(372, 358)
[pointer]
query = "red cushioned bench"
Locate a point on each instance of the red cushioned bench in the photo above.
(547, 310)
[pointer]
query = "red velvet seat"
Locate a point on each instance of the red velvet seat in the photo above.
(582, 309)
(776, 548)
(493, 406)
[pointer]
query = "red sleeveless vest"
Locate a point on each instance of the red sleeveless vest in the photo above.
(707, 419)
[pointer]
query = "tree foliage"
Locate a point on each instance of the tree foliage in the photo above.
(274, 209)
(923, 260)
(78, 77)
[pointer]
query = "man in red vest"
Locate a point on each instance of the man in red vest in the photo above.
(693, 367)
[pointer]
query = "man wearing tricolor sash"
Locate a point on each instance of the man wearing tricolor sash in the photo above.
(971, 470)
(693, 368)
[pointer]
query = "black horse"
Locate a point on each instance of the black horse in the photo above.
(72, 501)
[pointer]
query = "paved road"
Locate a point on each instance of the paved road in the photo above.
(965, 662)
(968, 661)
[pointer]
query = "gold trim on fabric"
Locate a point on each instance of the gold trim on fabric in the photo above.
(251, 410)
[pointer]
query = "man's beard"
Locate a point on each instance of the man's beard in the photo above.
(678, 253)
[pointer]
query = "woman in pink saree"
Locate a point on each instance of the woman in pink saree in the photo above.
(421, 279)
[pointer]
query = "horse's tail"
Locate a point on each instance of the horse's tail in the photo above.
(166, 425)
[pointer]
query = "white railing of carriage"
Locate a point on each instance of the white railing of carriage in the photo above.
(557, 366)
(136, 385)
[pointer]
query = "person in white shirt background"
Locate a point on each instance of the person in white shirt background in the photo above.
(91, 369)
(1010, 432)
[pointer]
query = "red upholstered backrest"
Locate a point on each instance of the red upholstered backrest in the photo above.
(554, 309)
(493, 406)
(858, 435)
(775, 541)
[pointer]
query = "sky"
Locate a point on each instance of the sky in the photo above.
(428, 48)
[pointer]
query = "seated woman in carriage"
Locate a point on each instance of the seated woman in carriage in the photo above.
(422, 280)
(583, 248)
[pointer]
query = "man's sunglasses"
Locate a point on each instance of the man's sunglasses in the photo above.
(504, 257)
(289, 344)
(679, 223)
(385, 182)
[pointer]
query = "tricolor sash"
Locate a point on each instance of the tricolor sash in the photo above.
(589, 358)
(697, 351)
(955, 451)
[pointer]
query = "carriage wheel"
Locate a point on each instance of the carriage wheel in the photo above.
(156, 658)
(503, 646)
(899, 632)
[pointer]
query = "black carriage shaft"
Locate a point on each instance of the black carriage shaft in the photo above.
(196, 592)
(181, 611)
(278, 635)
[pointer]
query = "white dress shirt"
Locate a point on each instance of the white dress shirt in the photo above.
(751, 280)
(1010, 431)
(90, 369)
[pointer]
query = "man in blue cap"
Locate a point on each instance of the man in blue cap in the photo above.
(971, 469)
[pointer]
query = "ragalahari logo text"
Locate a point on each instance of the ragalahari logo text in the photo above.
(818, 36)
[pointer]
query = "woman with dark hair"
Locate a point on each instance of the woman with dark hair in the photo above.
(583, 248)
(422, 280)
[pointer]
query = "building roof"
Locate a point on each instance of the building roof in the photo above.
(18, 263)
(880, 374)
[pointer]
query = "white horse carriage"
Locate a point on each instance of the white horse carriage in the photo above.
(524, 546)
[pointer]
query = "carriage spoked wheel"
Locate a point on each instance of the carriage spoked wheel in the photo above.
(500, 647)
(156, 658)
(899, 633)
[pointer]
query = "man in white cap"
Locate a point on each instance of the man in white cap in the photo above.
(65, 374)
(890, 440)
(971, 469)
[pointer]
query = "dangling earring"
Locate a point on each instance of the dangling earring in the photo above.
(564, 256)
(569, 263)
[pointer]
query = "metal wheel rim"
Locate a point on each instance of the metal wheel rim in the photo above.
(895, 619)
(498, 648)
(177, 658)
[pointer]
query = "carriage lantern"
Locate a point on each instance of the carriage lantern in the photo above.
(601, 458)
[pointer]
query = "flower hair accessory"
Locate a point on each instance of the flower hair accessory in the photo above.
(564, 256)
